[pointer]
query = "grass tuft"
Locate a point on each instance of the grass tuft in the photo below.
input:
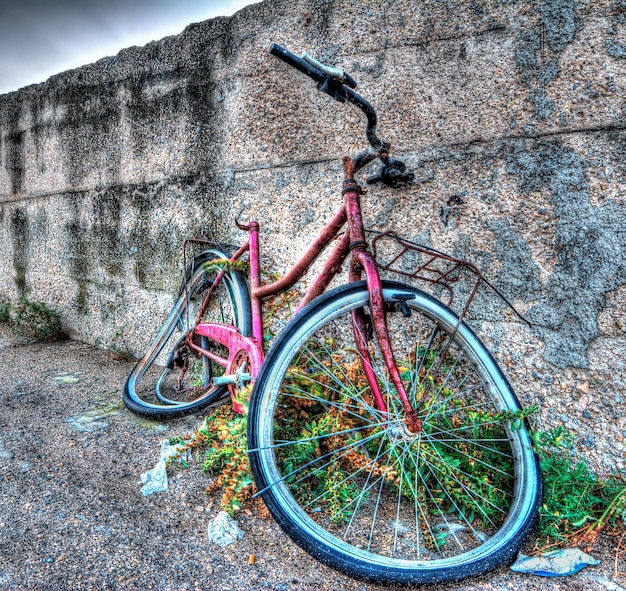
(35, 320)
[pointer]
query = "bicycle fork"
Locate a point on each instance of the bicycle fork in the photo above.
(363, 261)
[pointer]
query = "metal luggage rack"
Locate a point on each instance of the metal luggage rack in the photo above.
(396, 255)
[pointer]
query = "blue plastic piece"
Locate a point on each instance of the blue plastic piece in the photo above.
(558, 563)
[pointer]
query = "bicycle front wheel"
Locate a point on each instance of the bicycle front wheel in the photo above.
(351, 484)
(171, 379)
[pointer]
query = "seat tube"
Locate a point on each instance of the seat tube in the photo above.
(255, 282)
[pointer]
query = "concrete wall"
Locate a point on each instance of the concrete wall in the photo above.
(512, 113)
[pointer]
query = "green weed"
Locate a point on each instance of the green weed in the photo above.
(118, 345)
(578, 503)
(35, 320)
(328, 423)
(5, 308)
(222, 437)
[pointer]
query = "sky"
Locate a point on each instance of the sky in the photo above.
(40, 38)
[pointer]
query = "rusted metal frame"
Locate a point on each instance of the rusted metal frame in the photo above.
(331, 268)
(299, 269)
(255, 283)
(236, 344)
(363, 259)
(360, 329)
(205, 352)
(377, 306)
(359, 326)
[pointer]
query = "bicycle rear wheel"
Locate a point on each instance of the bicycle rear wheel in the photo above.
(171, 380)
(352, 485)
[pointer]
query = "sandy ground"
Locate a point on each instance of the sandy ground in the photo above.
(72, 515)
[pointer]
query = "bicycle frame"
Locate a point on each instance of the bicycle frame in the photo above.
(348, 472)
(246, 353)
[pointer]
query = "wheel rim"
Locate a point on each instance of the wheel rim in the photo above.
(375, 497)
(172, 376)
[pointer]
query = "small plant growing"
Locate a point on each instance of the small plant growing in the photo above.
(119, 347)
(578, 504)
(35, 320)
(222, 436)
(5, 308)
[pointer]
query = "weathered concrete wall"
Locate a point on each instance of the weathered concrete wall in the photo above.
(514, 112)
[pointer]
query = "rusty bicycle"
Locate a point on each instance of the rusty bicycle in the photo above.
(382, 435)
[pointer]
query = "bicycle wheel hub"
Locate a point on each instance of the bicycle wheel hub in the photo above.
(400, 430)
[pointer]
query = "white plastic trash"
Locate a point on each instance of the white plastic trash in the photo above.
(558, 563)
(155, 480)
(223, 530)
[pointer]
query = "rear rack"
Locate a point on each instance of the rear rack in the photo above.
(397, 255)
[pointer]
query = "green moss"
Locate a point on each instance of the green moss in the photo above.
(35, 320)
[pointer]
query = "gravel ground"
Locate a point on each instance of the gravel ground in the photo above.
(72, 515)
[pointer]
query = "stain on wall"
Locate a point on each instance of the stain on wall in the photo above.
(107, 232)
(14, 151)
(80, 255)
(538, 51)
(20, 236)
(590, 245)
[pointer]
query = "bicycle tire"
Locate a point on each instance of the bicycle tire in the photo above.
(352, 486)
(170, 381)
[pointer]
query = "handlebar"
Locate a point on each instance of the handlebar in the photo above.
(337, 84)
(340, 86)
(297, 62)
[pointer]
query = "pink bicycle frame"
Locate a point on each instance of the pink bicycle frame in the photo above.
(247, 352)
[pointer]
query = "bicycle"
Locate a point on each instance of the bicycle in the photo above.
(383, 437)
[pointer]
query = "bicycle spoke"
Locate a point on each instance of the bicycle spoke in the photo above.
(471, 493)
(312, 462)
(282, 444)
(307, 395)
(432, 465)
(371, 463)
(473, 442)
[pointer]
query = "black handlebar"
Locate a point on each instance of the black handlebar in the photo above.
(340, 86)
(297, 62)
(341, 89)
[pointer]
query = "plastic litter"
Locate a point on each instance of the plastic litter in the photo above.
(558, 563)
(223, 530)
(155, 480)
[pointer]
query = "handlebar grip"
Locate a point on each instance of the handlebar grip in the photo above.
(296, 62)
